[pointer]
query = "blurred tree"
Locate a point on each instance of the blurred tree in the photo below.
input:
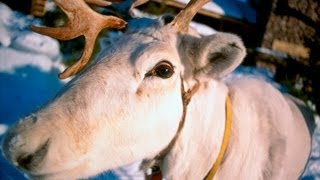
(293, 28)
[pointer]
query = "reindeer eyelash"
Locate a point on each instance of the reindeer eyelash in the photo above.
(163, 69)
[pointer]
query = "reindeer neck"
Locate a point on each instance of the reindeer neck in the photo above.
(199, 143)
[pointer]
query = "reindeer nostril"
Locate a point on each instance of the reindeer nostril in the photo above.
(32, 161)
(25, 162)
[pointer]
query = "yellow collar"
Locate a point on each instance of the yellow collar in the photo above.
(225, 141)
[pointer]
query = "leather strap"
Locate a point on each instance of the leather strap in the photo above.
(225, 141)
(186, 97)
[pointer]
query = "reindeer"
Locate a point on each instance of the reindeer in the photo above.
(159, 95)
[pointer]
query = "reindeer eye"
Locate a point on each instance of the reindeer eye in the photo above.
(163, 69)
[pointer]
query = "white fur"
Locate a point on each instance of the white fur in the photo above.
(112, 115)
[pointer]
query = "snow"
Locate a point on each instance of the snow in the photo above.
(5, 39)
(211, 6)
(23, 59)
(259, 73)
(202, 29)
(3, 129)
(38, 44)
(313, 168)
(239, 9)
(5, 15)
(29, 64)
(144, 19)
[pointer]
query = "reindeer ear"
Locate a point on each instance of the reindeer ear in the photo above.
(213, 56)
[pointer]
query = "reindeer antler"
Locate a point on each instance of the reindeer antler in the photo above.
(99, 2)
(182, 20)
(82, 21)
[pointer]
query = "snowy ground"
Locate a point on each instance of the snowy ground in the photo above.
(29, 64)
(240, 9)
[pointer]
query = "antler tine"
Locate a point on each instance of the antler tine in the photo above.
(137, 3)
(38, 7)
(82, 21)
(125, 9)
(101, 2)
(182, 20)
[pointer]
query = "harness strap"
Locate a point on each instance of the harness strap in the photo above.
(225, 141)
(186, 97)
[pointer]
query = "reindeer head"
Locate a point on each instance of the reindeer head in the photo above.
(125, 107)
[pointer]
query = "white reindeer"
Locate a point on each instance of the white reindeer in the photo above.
(158, 95)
